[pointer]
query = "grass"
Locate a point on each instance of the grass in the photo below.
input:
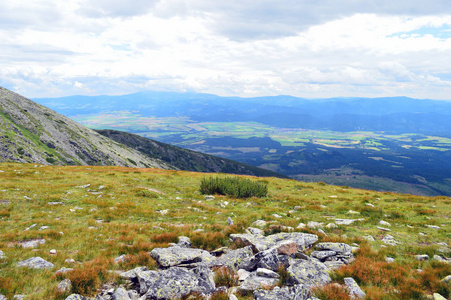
(131, 211)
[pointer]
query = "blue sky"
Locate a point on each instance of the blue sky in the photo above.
(324, 48)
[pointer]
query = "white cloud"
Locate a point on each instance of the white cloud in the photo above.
(302, 48)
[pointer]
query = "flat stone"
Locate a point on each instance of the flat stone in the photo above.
(314, 225)
(120, 294)
(276, 216)
(383, 228)
(234, 258)
(267, 273)
(75, 297)
(389, 259)
(35, 263)
(390, 240)
(184, 242)
(2, 255)
(63, 270)
(287, 248)
(258, 243)
(209, 198)
(384, 223)
(331, 225)
(64, 286)
(255, 231)
(341, 248)
(369, 238)
(173, 256)
(297, 292)
(433, 226)
(421, 257)
(32, 243)
(309, 273)
(437, 296)
(353, 288)
(321, 255)
(254, 282)
(447, 280)
(346, 221)
(259, 223)
(243, 274)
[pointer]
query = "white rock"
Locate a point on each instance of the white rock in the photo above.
(277, 216)
(331, 225)
(267, 273)
(352, 212)
(383, 229)
(53, 251)
(243, 274)
(383, 223)
(301, 225)
(369, 238)
(229, 221)
(370, 205)
(259, 223)
(314, 225)
(433, 226)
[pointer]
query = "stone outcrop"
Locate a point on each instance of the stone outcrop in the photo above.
(173, 256)
(35, 263)
(261, 243)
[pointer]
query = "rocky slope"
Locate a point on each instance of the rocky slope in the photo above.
(184, 159)
(31, 133)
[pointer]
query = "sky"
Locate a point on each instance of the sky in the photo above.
(247, 48)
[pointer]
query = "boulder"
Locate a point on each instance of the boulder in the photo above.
(341, 248)
(262, 272)
(75, 297)
(64, 286)
(234, 259)
(259, 223)
(353, 288)
(35, 263)
(120, 294)
(173, 256)
(177, 282)
(297, 292)
(309, 273)
(255, 231)
(259, 243)
(243, 274)
(254, 282)
(268, 259)
(447, 280)
(184, 242)
(437, 296)
(32, 243)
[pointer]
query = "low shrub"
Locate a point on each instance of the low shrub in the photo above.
(87, 279)
(225, 277)
(331, 292)
(233, 186)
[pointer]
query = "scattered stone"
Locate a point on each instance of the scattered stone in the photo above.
(301, 226)
(369, 204)
(258, 243)
(433, 226)
(297, 208)
(352, 212)
(369, 238)
(120, 294)
(120, 259)
(308, 273)
(314, 225)
(32, 243)
(232, 297)
(331, 226)
(184, 242)
(437, 296)
(69, 261)
(35, 263)
(173, 256)
(353, 288)
(55, 203)
(297, 292)
(383, 223)
(2, 255)
(267, 273)
(75, 297)
(44, 227)
(421, 257)
(243, 274)
(277, 216)
(390, 240)
(389, 259)
(209, 198)
(1, 296)
(254, 282)
(259, 223)
(321, 231)
(255, 231)
(84, 186)
(18, 297)
(346, 221)
(63, 270)
(64, 286)
(383, 228)
(287, 248)
(27, 198)
(53, 251)
(32, 226)
(229, 221)
(234, 259)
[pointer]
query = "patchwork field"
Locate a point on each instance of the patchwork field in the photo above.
(92, 215)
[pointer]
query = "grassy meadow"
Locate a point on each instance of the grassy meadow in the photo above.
(95, 214)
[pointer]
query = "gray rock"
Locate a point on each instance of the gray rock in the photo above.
(322, 255)
(132, 274)
(234, 259)
(35, 263)
(262, 272)
(75, 297)
(369, 238)
(173, 256)
(331, 225)
(243, 274)
(353, 288)
(447, 280)
(64, 286)
(229, 221)
(32, 243)
(184, 242)
(232, 297)
(346, 221)
(268, 259)
(384, 223)
(389, 259)
(437, 296)
(433, 226)
(3, 297)
(421, 257)
(341, 248)
(308, 273)
(255, 231)
(120, 259)
(259, 223)
(297, 292)
(209, 198)
(120, 294)
(258, 243)
(18, 297)
(2, 256)
(383, 228)
(390, 240)
(314, 225)
(254, 282)
(176, 282)
(63, 270)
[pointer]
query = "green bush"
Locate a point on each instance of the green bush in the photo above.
(233, 186)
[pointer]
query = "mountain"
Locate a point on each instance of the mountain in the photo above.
(32, 133)
(184, 159)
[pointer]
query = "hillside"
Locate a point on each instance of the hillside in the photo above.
(30, 132)
(185, 159)
(95, 223)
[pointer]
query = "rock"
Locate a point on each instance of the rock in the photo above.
(1, 296)
(437, 296)
(369, 204)
(64, 286)
(369, 238)
(232, 297)
(321, 231)
(297, 292)
(383, 223)
(322, 255)
(184, 242)
(287, 248)
(234, 259)
(301, 226)
(353, 288)
(267, 273)
(254, 282)
(69, 261)
(18, 297)
(176, 282)
(32, 243)
(2, 255)
(229, 221)
(331, 225)
(120, 259)
(383, 228)
(255, 231)
(75, 297)
(421, 257)
(120, 294)
(346, 221)
(276, 216)
(390, 240)
(173, 256)
(53, 251)
(314, 225)
(259, 223)
(63, 270)
(389, 259)
(352, 212)
(258, 243)
(55, 203)
(243, 274)
(433, 226)
(35, 263)
(447, 280)
(209, 198)
(341, 248)
(308, 273)
(133, 274)
(297, 208)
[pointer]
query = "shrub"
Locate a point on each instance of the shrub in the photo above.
(331, 292)
(87, 279)
(233, 186)
(225, 277)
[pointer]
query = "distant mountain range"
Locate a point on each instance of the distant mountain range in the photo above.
(32, 133)
(391, 115)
